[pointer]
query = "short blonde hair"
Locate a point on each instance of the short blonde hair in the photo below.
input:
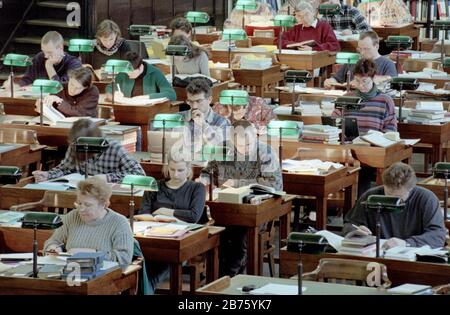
(106, 28)
(177, 158)
(53, 37)
(96, 187)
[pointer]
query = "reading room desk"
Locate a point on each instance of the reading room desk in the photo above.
(204, 39)
(20, 155)
(139, 115)
(399, 271)
(260, 79)
(19, 105)
(175, 251)
(400, 30)
(233, 286)
(222, 55)
(252, 217)
(17, 240)
(436, 185)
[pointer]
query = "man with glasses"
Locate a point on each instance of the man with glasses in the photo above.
(368, 45)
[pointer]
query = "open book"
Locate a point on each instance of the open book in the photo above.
(140, 100)
(259, 189)
(311, 43)
(156, 218)
(66, 182)
(387, 139)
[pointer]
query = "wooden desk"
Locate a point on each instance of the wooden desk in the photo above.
(436, 135)
(402, 30)
(261, 79)
(222, 55)
(349, 45)
(230, 286)
(47, 135)
(139, 115)
(19, 106)
(16, 194)
(286, 97)
(376, 157)
(204, 39)
(252, 217)
(19, 240)
(176, 251)
(399, 271)
(21, 155)
(215, 90)
(320, 186)
(262, 40)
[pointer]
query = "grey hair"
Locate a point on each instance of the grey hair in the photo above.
(302, 5)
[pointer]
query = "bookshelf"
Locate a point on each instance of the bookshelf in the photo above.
(425, 12)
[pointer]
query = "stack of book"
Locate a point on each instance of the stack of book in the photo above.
(427, 113)
(90, 265)
(327, 107)
(321, 134)
(310, 109)
(126, 135)
(359, 245)
(255, 62)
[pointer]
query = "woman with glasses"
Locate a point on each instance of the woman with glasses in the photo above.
(309, 33)
(92, 226)
(79, 97)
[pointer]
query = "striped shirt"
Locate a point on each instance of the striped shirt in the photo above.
(377, 114)
(110, 234)
(349, 18)
(115, 163)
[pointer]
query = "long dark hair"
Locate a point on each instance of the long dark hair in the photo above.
(194, 50)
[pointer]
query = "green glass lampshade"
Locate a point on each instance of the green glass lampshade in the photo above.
(10, 174)
(91, 144)
(347, 58)
(47, 86)
(115, 66)
(288, 128)
(297, 76)
(41, 220)
(441, 24)
(403, 42)
(284, 20)
(17, 60)
(197, 17)
(146, 183)
(405, 84)
(386, 203)
(307, 243)
(446, 63)
(81, 45)
(168, 121)
(329, 9)
(348, 102)
(234, 34)
(139, 30)
(215, 153)
(246, 5)
(233, 97)
(441, 170)
(177, 50)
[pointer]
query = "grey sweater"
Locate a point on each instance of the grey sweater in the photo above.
(188, 201)
(197, 65)
(384, 66)
(111, 234)
(420, 223)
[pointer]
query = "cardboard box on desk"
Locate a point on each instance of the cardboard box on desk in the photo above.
(233, 195)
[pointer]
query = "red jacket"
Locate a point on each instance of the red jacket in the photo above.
(323, 35)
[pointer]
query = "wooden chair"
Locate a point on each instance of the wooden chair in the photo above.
(347, 271)
(266, 246)
(442, 289)
(414, 65)
(134, 267)
(53, 201)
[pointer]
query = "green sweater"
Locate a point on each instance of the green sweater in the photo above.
(155, 84)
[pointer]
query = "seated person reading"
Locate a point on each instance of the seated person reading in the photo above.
(348, 21)
(112, 165)
(181, 26)
(368, 45)
(52, 63)
(108, 44)
(420, 223)
(144, 80)
(196, 61)
(309, 33)
(251, 162)
(92, 226)
(79, 97)
(177, 196)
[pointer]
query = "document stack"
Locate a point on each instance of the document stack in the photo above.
(430, 113)
(359, 245)
(321, 134)
(255, 62)
(327, 107)
(89, 264)
(310, 109)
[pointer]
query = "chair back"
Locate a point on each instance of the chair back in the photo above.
(348, 271)
(22, 136)
(53, 201)
(221, 74)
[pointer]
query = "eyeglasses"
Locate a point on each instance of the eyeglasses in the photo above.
(80, 205)
(191, 102)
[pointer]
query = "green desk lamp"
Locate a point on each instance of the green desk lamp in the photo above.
(399, 42)
(442, 170)
(345, 103)
(296, 76)
(42, 221)
(284, 22)
(347, 58)
(140, 30)
(176, 50)
(15, 60)
(145, 183)
(385, 204)
(10, 175)
(90, 145)
(167, 121)
(283, 128)
(403, 84)
(442, 25)
(195, 17)
(114, 67)
(233, 34)
(328, 9)
(45, 86)
(81, 46)
(245, 5)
